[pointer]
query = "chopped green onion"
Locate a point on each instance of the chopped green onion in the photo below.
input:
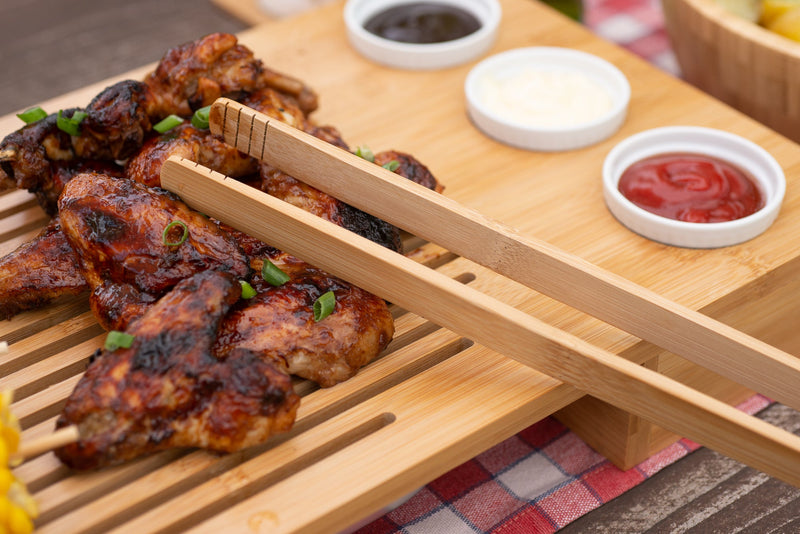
(170, 226)
(200, 118)
(118, 340)
(392, 165)
(32, 115)
(167, 124)
(70, 125)
(366, 153)
(273, 274)
(324, 305)
(248, 291)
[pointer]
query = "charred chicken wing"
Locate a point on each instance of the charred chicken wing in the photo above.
(135, 243)
(39, 272)
(278, 323)
(167, 390)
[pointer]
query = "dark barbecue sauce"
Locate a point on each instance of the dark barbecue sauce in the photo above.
(423, 22)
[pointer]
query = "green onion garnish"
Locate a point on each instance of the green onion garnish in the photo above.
(391, 165)
(70, 125)
(118, 340)
(167, 124)
(272, 274)
(324, 305)
(248, 291)
(200, 118)
(170, 226)
(366, 153)
(32, 115)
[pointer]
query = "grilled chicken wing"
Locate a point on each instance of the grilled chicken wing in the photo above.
(409, 167)
(280, 185)
(195, 74)
(186, 141)
(29, 151)
(167, 390)
(278, 323)
(39, 272)
(117, 121)
(130, 241)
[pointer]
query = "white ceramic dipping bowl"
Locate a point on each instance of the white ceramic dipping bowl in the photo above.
(426, 56)
(746, 155)
(552, 137)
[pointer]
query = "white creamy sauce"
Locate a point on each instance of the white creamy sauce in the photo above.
(545, 97)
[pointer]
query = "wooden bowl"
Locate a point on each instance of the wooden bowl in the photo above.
(738, 62)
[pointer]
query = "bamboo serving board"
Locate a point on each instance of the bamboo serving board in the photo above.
(434, 399)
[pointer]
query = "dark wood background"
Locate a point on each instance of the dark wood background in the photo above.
(49, 47)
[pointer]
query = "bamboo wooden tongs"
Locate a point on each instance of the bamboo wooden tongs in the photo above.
(484, 319)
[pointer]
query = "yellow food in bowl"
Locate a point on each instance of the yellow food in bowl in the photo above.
(779, 16)
(771, 10)
(783, 19)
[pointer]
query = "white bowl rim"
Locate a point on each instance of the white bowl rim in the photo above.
(571, 58)
(355, 19)
(752, 158)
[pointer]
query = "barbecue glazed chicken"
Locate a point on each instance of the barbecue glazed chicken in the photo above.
(40, 272)
(116, 227)
(208, 367)
(168, 390)
(279, 324)
(135, 243)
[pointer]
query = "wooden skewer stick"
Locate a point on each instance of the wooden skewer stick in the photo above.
(35, 447)
(492, 323)
(537, 264)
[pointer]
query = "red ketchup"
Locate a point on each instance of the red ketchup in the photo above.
(691, 188)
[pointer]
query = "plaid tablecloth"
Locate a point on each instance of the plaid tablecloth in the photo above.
(535, 482)
(638, 25)
(545, 477)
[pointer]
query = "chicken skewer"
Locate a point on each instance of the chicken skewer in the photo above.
(165, 388)
(120, 232)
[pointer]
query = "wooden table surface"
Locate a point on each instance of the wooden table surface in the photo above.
(555, 196)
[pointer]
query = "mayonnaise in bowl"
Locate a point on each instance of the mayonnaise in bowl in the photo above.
(546, 98)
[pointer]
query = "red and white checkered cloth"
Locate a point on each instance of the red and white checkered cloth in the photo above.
(637, 25)
(545, 477)
(535, 482)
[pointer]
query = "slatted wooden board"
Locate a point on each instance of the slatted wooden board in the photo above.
(434, 399)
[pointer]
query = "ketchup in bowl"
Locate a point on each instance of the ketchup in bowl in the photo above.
(691, 188)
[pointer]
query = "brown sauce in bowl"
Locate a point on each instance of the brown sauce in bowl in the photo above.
(423, 23)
